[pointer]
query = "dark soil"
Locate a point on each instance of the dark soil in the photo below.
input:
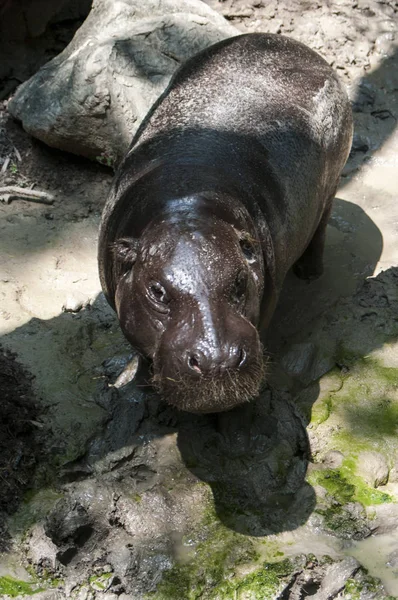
(19, 444)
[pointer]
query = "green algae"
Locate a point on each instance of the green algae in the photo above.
(341, 523)
(13, 587)
(213, 571)
(363, 413)
(100, 582)
(369, 401)
(334, 483)
(365, 369)
(355, 588)
(365, 494)
(270, 551)
(321, 411)
(344, 486)
(95, 578)
(373, 422)
(362, 416)
(265, 582)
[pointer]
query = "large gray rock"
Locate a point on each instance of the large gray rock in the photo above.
(91, 98)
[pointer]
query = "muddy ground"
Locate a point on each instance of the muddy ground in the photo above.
(108, 493)
(19, 450)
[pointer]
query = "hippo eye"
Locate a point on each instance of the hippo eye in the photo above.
(247, 250)
(239, 287)
(158, 293)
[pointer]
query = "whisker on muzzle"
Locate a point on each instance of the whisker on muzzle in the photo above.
(213, 392)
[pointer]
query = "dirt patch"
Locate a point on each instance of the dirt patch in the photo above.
(19, 440)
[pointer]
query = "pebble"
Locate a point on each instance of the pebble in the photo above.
(373, 468)
(75, 303)
(383, 43)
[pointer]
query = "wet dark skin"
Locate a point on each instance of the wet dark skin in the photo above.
(200, 326)
(227, 184)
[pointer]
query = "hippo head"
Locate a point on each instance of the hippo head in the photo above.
(188, 297)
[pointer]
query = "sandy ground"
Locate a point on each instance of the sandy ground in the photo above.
(99, 443)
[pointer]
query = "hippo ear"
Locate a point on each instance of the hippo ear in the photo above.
(125, 250)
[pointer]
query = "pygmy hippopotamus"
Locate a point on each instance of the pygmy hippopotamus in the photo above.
(227, 184)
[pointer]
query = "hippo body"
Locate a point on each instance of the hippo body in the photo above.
(227, 184)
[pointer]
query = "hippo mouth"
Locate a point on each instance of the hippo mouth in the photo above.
(211, 392)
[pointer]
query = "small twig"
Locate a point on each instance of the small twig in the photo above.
(5, 164)
(10, 192)
(17, 154)
(128, 374)
(37, 424)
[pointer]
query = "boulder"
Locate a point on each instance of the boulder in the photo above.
(91, 98)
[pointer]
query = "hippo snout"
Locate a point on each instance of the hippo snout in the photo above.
(210, 375)
(201, 362)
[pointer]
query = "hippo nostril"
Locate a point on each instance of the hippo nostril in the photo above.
(242, 358)
(194, 364)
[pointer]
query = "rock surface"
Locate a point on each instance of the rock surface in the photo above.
(336, 577)
(91, 98)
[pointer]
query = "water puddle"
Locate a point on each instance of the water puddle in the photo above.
(379, 554)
